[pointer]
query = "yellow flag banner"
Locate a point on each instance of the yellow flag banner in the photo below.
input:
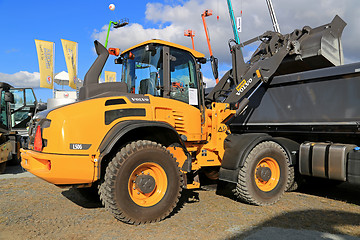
(110, 76)
(70, 53)
(45, 52)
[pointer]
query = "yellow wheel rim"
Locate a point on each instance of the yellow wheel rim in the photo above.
(147, 184)
(267, 174)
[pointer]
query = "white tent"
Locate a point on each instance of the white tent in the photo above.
(62, 78)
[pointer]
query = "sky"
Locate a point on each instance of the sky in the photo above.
(22, 22)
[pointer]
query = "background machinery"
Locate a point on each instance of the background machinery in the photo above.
(141, 140)
(18, 105)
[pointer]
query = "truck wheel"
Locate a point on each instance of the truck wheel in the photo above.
(292, 186)
(142, 183)
(296, 180)
(265, 175)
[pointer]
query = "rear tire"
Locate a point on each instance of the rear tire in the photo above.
(142, 183)
(296, 180)
(265, 175)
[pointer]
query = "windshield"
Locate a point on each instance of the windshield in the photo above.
(142, 70)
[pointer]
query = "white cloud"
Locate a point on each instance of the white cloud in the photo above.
(21, 79)
(173, 17)
(133, 34)
(209, 82)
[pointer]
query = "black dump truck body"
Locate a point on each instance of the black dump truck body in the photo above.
(315, 103)
(317, 109)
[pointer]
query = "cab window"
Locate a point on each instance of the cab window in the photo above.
(24, 103)
(142, 70)
(183, 84)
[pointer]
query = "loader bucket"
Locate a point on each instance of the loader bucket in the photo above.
(319, 49)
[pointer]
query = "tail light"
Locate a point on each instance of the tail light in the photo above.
(38, 142)
(36, 138)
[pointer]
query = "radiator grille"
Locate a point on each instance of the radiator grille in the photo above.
(179, 122)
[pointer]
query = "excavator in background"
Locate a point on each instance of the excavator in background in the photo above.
(140, 141)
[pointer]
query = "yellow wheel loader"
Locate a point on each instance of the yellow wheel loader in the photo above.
(142, 140)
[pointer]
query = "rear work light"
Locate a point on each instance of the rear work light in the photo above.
(38, 143)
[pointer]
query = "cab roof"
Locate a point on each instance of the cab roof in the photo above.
(196, 54)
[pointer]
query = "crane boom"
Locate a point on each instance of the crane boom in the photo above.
(233, 22)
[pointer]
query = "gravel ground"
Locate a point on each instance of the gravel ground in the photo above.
(34, 209)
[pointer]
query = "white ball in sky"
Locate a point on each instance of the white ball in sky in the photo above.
(112, 7)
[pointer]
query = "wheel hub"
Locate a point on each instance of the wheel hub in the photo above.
(145, 183)
(263, 174)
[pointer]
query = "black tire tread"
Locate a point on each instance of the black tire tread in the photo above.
(242, 187)
(292, 186)
(107, 191)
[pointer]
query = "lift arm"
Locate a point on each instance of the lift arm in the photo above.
(265, 61)
(262, 65)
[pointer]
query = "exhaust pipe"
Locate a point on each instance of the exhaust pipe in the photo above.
(91, 79)
(92, 88)
(92, 76)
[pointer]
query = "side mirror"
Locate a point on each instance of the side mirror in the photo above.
(202, 60)
(214, 66)
(9, 97)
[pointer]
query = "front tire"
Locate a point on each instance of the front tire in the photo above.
(265, 175)
(142, 183)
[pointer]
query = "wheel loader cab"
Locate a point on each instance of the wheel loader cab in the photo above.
(163, 69)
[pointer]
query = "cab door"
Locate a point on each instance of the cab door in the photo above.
(4, 112)
(183, 78)
(22, 108)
